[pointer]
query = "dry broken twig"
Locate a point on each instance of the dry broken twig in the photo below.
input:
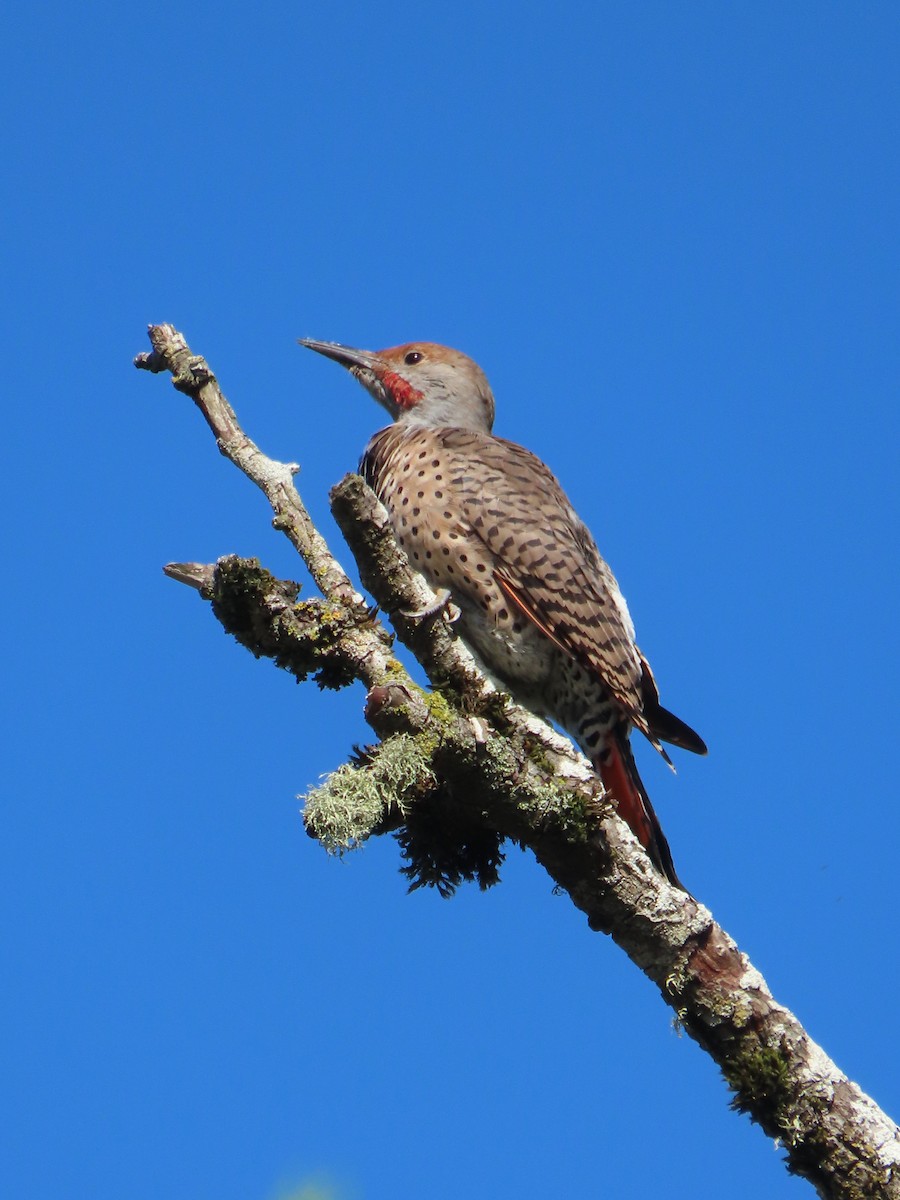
(460, 770)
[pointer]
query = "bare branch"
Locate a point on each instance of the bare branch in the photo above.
(461, 770)
(192, 375)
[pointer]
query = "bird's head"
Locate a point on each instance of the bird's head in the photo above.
(420, 383)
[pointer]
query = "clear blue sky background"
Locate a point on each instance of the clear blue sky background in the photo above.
(669, 234)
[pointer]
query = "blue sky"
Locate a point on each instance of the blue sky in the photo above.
(669, 235)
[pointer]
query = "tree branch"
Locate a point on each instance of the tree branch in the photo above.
(460, 770)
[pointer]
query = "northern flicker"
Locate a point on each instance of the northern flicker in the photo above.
(485, 520)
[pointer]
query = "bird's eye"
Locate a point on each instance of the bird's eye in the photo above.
(412, 358)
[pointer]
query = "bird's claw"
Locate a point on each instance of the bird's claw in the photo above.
(441, 604)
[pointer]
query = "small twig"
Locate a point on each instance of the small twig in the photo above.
(195, 575)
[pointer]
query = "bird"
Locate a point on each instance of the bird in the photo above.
(487, 523)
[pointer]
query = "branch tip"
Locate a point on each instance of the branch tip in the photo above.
(196, 575)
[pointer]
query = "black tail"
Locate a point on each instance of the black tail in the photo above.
(661, 724)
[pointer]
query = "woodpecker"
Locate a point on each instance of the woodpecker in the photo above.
(485, 520)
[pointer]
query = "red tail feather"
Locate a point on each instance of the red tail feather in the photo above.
(620, 777)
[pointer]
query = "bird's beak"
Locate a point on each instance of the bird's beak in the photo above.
(364, 365)
(345, 355)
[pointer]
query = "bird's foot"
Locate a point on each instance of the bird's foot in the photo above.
(441, 604)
